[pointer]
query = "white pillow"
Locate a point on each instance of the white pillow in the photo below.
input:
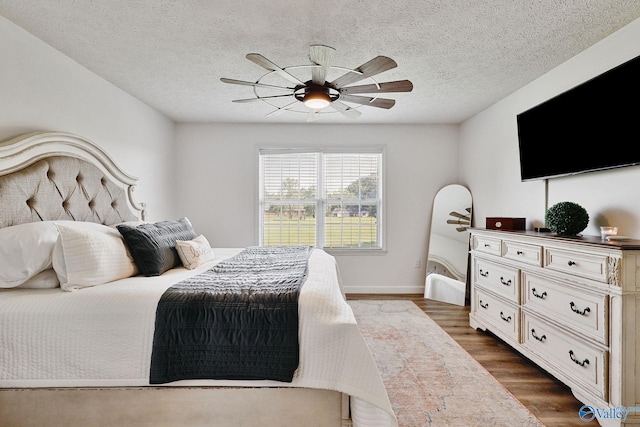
(25, 250)
(46, 279)
(90, 256)
(194, 252)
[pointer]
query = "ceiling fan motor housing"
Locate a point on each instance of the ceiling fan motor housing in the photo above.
(316, 96)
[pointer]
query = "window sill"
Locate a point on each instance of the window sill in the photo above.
(357, 252)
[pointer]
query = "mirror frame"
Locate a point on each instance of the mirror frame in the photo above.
(448, 252)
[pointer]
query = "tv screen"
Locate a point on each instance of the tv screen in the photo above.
(594, 126)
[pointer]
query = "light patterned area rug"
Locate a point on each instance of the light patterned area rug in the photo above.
(430, 379)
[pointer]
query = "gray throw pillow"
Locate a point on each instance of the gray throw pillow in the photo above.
(153, 245)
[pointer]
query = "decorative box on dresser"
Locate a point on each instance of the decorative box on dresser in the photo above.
(571, 305)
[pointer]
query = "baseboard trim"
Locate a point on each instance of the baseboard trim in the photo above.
(384, 289)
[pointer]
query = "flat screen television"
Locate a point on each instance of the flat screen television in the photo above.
(593, 126)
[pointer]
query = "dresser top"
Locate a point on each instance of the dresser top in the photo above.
(630, 244)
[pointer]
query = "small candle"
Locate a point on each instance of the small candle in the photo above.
(608, 231)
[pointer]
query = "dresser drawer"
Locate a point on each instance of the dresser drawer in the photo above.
(523, 252)
(591, 266)
(499, 279)
(585, 311)
(503, 315)
(488, 245)
(574, 360)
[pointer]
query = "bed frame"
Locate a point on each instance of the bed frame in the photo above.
(62, 176)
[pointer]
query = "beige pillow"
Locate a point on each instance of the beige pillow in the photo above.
(85, 257)
(194, 252)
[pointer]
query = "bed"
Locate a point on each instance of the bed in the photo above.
(79, 352)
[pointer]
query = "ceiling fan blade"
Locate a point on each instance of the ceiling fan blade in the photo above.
(261, 98)
(265, 63)
(397, 86)
(372, 102)
(352, 113)
(281, 109)
(322, 56)
(242, 82)
(313, 116)
(375, 66)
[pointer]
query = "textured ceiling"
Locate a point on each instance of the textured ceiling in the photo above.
(461, 55)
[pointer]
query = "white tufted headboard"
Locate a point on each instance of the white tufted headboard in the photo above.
(60, 176)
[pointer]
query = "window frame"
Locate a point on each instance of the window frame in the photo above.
(321, 202)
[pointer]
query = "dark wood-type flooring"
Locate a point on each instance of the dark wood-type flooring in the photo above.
(547, 398)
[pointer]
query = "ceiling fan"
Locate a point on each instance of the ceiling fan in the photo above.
(323, 89)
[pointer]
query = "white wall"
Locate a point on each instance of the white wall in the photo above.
(42, 90)
(489, 163)
(217, 173)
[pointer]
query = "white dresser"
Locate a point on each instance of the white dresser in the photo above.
(571, 305)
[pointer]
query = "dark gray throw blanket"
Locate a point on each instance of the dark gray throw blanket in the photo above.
(238, 320)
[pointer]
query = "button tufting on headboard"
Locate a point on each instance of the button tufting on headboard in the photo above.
(81, 190)
(62, 176)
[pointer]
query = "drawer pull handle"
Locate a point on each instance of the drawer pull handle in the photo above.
(507, 283)
(519, 253)
(487, 245)
(577, 362)
(575, 310)
(506, 319)
(570, 263)
(486, 305)
(537, 295)
(533, 334)
(484, 273)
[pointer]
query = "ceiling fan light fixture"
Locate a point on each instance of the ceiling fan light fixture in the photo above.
(316, 100)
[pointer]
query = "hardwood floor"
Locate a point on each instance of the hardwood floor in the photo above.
(547, 398)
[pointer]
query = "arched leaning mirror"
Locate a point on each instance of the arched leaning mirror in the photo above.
(449, 245)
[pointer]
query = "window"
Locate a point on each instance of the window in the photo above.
(324, 198)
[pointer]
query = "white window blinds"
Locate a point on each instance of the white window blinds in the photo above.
(321, 198)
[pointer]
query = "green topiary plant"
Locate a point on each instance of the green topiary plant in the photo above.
(566, 218)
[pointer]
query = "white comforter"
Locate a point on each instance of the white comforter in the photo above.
(103, 335)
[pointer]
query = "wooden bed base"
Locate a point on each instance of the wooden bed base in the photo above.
(173, 406)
